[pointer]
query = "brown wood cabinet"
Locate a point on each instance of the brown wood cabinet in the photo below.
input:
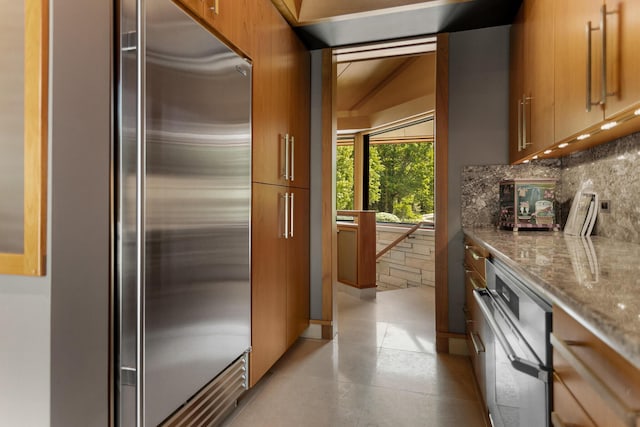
(532, 85)
(268, 279)
(571, 55)
(280, 272)
(475, 278)
(567, 81)
(592, 377)
(297, 315)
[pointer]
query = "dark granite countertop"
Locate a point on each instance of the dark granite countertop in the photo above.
(597, 280)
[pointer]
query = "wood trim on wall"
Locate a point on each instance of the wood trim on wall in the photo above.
(442, 170)
(329, 230)
(32, 261)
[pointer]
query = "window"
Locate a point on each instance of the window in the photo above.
(399, 180)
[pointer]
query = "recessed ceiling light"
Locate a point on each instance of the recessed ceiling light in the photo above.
(609, 125)
(583, 136)
(547, 151)
(564, 144)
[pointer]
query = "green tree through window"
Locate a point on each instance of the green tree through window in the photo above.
(405, 187)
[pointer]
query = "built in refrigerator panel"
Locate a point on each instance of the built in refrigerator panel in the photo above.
(198, 189)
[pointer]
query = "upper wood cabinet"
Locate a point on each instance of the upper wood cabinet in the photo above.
(574, 63)
(574, 68)
(281, 107)
(233, 20)
(531, 91)
(623, 56)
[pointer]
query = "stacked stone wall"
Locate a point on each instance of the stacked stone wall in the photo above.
(411, 263)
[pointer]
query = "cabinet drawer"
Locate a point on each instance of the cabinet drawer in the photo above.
(605, 384)
(567, 410)
(474, 256)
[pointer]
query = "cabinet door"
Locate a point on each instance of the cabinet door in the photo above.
(271, 102)
(623, 56)
(571, 55)
(233, 20)
(196, 6)
(268, 278)
(298, 265)
(299, 113)
(538, 74)
(516, 88)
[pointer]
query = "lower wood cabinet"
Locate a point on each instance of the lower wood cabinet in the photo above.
(593, 384)
(280, 273)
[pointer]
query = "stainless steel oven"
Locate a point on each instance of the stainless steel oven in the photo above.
(518, 353)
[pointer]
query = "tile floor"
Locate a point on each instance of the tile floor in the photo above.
(381, 370)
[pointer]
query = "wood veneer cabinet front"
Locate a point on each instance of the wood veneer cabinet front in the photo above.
(622, 63)
(474, 257)
(571, 54)
(532, 85)
(600, 381)
(297, 316)
(280, 273)
(268, 280)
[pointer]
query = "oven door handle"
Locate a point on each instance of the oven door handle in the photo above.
(532, 369)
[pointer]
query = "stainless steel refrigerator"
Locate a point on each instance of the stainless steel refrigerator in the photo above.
(182, 199)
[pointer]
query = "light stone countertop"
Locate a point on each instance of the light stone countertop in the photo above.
(597, 280)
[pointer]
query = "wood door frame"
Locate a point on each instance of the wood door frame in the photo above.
(442, 192)
(329, 263)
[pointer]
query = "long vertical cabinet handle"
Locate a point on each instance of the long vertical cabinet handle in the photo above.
(140, 210)
(293, 158)
(524, 122)
(603, 40)
(589, 30)
(519, 124)
(291, 211)
(287, 153)
(285, 215)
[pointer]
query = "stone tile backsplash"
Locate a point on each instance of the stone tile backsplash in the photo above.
(614, 169)
(481, 185)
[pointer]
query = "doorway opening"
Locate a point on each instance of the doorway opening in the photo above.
(385, 158)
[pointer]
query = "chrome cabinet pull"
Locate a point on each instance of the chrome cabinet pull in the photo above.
(478, 346)
(519, 124)
(293, 157)
(525, 121)
(285, 215)
(475, 284)
(291, 217)
(474, 253)
(589, 29)
(287, 143)
(620, 408)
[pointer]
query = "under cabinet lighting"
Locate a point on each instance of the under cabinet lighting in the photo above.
(547, 151)
(609, 125)
(564, 144)
(637, 112)
(525, 161)
(535, 157)
(584, 136)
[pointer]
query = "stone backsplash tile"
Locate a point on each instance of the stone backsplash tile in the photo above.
(481, 185)
(614, 169)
